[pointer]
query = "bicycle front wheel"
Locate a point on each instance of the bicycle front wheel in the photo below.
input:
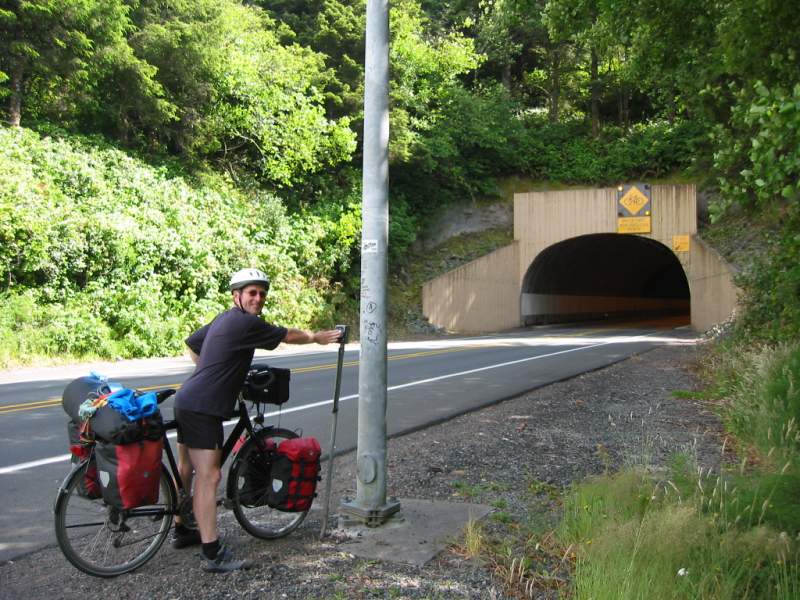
(248, 490)
(104, 541)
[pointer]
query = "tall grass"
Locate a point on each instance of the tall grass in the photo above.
(762, 391)
(696, 533)
(637, 538)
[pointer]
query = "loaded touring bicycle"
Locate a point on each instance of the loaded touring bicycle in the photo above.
(117, 505)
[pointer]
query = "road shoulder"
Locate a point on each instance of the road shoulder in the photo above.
(513, 456)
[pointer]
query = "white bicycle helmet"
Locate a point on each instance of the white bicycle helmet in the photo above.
(246, 277)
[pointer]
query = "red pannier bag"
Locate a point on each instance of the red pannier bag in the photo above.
(80, 450)
(295, 473)
(255, 472)
(130, 473)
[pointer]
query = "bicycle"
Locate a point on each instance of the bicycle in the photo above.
(107, 541)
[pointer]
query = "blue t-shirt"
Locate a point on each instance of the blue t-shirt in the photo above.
(225, 347)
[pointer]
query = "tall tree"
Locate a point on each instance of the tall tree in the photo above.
(579, 21)
(242, 98)
(47, 44)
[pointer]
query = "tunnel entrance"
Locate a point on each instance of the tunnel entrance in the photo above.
(604, 275)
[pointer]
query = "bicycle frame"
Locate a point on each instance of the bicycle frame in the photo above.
(245, 423)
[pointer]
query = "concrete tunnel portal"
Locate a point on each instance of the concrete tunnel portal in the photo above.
(575, 256)
(604, 275)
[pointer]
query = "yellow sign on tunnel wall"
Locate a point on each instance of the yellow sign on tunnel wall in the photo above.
(633, 225)
(680, 243)
(633, 208)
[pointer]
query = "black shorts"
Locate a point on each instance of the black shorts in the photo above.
(199, 430)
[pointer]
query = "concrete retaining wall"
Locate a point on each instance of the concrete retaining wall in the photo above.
(482, 295)
(714, 295)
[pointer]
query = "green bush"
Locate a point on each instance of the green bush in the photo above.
(758, 153)
(481, 136)
(770, 304)
(31, 327)
(102, 254)
(566, 152)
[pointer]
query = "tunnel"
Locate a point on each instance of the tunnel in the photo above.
(604, 275)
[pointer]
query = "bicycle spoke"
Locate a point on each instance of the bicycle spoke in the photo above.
(135, 540)
(105, 541)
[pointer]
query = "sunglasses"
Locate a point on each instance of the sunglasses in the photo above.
(254, 293)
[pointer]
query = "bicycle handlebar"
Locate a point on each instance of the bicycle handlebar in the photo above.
(162, 395)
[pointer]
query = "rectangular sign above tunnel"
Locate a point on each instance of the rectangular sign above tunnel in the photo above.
(633, 208)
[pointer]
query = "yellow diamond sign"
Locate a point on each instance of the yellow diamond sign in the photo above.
(634, 200)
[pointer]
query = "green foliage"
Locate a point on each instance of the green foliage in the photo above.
(479, 139)
(424, 75)
(474, 139)
(139, 255)
(336, 30)
(50, 49)
(209, 80)
(757, 40)
(243, 98)
(770, 278)
(567, 152)
(759, 154)
(31, 327)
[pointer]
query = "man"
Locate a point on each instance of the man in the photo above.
(223, 352)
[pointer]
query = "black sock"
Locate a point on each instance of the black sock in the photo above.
(210, 549)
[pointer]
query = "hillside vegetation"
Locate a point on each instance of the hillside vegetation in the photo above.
(105, 255)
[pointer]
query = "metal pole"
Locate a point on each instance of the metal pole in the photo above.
(370, 504)
(334, 420)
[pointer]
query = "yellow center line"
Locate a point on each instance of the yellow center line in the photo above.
(30, 405)
(10, 408)
(353, 363)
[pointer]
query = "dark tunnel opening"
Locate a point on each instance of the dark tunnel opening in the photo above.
(604, 275)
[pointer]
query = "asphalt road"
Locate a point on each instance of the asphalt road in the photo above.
(428, 382)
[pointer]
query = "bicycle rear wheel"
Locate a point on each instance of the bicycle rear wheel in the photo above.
(249, 502)
(104, 541)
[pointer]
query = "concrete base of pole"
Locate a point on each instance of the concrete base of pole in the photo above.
(355, 514)
(415, 535)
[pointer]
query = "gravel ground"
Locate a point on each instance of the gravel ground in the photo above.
(516, 456)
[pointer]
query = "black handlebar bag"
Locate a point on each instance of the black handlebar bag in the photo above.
(268, 385)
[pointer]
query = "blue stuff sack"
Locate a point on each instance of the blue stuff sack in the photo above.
(109, 423)
(134, 406)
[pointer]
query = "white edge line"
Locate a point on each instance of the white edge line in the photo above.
(64, 457)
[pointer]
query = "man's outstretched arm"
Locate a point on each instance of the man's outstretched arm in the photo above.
(300, 336)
